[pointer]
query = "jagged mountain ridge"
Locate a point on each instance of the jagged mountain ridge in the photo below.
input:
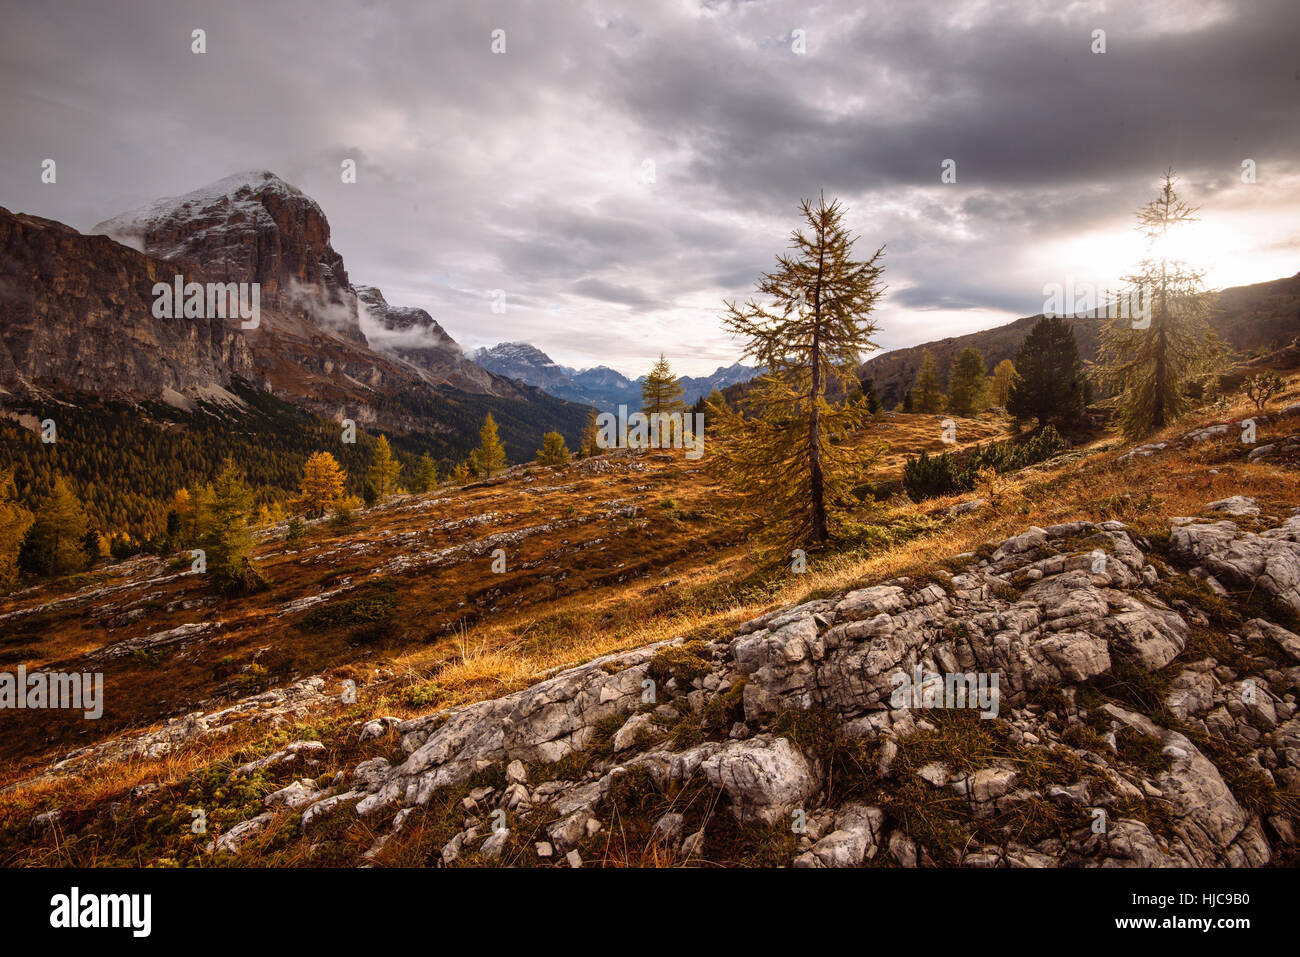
(413, 335)
(527, 363)
(76, 316)
(253, 226)
(601, 386)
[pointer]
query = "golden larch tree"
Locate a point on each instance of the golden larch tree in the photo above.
(553, 451)
(810, 337)
(590, 446)
(490, 456)
(14, 523)
(384, 469)
(927, 392)
(660, 390)
(1004, 373)
(321, 486)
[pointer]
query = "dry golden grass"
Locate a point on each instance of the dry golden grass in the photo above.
(676, 570)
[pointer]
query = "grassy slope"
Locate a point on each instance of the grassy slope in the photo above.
(600, 581)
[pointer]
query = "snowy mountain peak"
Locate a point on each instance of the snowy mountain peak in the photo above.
(248, 227)
(515, 352)
(601, 386)
(241, 192)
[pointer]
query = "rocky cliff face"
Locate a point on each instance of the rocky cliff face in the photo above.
(415, 336)
(77, 314)
(249, 227)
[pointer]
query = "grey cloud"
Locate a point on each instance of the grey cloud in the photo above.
(609, 292)
(519, 171)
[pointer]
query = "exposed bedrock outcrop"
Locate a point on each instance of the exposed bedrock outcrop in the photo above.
(1053, 611)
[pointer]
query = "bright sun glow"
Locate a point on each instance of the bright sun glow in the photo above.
(1225, 248)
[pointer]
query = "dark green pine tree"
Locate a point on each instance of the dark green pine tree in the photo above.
(1049, 383)
(870, 396)
(226, 533)
(426, 475)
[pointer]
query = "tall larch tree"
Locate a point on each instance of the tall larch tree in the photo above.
(810, 337)
(490, 456)
(968, 388)
(1150, 365)
(1000, 385)
(384, 469)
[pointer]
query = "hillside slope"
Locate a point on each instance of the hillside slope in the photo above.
(1247, 317)
(1138, 605)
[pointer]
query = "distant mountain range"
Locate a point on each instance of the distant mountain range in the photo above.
(1247, 317)
(603, 387)
(78, 318)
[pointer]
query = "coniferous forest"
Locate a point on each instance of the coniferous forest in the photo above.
(126, 461)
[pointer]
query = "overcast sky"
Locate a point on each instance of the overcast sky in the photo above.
(526, 171)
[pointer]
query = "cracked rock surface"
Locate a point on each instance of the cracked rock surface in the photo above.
(1208, 777)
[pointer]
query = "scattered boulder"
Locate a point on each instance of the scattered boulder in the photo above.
(1270, 562)
(1286, 640)
(324, 807)
(296, 796)
(378, 728)
(857, 836)
(1237, 506)
(231, 841)
(765, 777)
